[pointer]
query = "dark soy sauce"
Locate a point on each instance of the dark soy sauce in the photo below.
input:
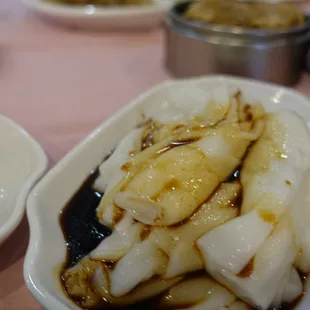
(80, 226)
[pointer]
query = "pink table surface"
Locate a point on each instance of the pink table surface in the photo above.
(60, 84)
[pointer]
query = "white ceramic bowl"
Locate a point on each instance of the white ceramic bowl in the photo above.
(47, 248)
(99, 17)
(22, 163)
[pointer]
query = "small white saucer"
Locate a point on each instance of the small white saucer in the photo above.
(22, 163)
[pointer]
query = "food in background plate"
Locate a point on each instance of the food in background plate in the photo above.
(257, 15)
(201, 208)
(102, 2)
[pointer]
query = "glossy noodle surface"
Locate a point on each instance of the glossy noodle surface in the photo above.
(200, 212)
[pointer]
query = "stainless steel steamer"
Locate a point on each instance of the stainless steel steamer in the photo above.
(194, 49)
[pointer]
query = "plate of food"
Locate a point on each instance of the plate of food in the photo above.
(194, 196)
(102, 14)
(22, 163)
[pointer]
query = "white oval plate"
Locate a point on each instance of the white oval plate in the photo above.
(47, 249)
(100, 17)
(22, 163)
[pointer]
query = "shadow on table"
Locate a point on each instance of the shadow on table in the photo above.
(14, 248)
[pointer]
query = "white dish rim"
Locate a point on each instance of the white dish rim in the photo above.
(21, 199)
(63, 10)
(38, 291)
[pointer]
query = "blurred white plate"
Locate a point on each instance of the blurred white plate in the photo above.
(22, 163)
(92, 17)
(47, 248)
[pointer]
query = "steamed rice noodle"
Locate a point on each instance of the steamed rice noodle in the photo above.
(207, 211)
(170, 182)
(263, 235)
